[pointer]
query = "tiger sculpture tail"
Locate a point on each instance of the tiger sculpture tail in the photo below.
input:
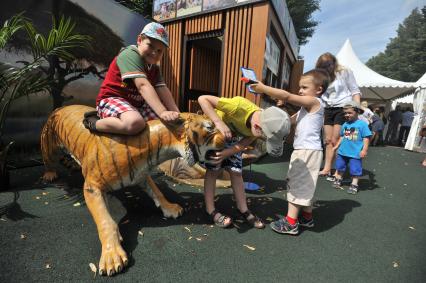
(110, 162)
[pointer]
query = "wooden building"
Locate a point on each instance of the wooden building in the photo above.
(211, 40)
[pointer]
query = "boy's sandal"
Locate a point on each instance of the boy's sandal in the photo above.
(220, 219)
(90, 119)
(252, 219)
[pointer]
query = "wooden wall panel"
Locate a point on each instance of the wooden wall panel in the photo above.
(244, 45)
(204, 23)
(258, 37)
(236, 48)
(204, 69)
(296, 73)
(172, 59)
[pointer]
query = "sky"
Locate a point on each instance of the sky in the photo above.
(369, 25)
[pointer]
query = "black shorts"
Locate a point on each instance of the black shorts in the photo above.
(334, 116)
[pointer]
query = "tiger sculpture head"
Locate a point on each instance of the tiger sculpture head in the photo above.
(201, 137)
(110, 162)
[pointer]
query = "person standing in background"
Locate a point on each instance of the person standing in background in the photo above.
(407, 120)
(343, 89)
(394, 118)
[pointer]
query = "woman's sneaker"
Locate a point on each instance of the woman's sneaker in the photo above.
(338, 184)
(283, 227)
(353, 189)
(330, 177)
(308, 223)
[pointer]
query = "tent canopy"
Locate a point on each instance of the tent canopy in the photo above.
(422, 81)
(373, 85)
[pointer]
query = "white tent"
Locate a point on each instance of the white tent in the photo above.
(373, 85)
(414, 141)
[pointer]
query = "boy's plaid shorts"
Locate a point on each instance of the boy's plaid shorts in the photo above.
(114, 106)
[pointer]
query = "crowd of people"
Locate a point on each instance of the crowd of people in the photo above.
(134, 92)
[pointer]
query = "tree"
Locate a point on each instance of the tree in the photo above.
(86, 61)
(16, 82)
(142, 7)
(301, 13)
(404, 57)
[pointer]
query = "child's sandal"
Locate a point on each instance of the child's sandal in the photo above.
(252, 219)
(90, 119)
(220, 219)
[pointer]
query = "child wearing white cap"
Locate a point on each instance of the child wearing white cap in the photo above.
(306, 158)
(352, 146)
(241, 122)
(134, 90)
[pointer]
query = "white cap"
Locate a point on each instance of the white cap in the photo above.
(276, 126)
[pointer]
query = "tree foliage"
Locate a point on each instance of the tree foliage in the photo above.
(15, 81)
(59, 68)
(405, 55)
(301, 13)
(143, 7)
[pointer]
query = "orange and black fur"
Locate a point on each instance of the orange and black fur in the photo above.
(109, 162)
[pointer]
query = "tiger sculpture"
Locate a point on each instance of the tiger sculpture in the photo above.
(110, 162)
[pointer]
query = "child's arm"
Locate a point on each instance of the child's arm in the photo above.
(238, 147)
(293, 119)
(167, 98)
(307, 102)
(151, 97)
(208, 103)
(337, 144)
(364, 150)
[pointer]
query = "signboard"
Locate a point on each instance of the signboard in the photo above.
(166, 10)
(272, 55)
(187, 7)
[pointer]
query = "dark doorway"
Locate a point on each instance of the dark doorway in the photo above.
(202, 70)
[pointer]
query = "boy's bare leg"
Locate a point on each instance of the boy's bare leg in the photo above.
(128, 123)
(355, 181)
(209, 193)
(237, 183)
(331, 134)
(293, 210)
(209, 189)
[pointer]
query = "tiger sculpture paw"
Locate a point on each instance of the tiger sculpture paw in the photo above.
(173, 210)
(113, 258)
(111, 162)
(49, 176)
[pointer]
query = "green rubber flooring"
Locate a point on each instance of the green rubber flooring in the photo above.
(378, 235)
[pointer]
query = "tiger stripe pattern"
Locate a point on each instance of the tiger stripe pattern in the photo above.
(110, 162)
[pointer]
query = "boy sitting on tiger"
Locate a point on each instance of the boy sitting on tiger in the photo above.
(133, 90)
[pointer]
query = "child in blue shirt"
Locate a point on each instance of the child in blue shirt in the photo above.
(352, 146)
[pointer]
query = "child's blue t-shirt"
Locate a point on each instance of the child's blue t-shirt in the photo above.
(352, 134)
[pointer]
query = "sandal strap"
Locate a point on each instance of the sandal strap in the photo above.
(253, 220)
(247, 213)
(220, 220)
